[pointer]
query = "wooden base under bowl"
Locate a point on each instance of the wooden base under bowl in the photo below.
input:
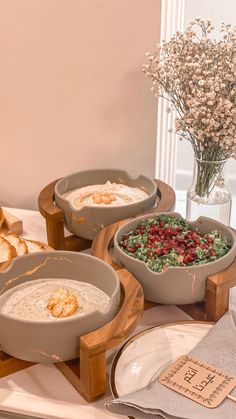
(88, 373)
(217, 286)
(54, 216)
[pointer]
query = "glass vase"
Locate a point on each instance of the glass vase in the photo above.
(209, 195)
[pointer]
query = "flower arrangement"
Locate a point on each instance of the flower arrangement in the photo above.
(197, 75)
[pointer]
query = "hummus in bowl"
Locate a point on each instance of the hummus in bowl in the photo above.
(108, 194)
(48, 300)
(96, 198)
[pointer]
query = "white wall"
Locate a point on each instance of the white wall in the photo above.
(72, 94)
(218, 11)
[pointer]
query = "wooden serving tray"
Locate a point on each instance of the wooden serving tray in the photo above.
(54, 216)
(88, 373)
(217, 286)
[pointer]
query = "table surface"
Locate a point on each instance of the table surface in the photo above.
(41, 391)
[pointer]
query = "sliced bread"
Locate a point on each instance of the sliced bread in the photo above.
(7, 251)
(34, 246)
(17, 242)
(12, 245)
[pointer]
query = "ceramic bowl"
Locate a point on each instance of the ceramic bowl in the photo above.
(88, 221)
(177, 285)
(55, 340)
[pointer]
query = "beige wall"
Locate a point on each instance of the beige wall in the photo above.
(72, 95)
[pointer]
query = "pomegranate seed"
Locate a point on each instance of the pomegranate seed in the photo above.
(188, 259)
(131, 249)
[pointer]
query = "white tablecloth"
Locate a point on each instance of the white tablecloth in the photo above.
(42, 391)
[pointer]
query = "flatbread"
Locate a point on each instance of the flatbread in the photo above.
(34, 246)
(12, 245)
(17, 242)
(7, 251)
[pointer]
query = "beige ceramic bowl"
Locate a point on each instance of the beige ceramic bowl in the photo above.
(177, 285)
(88, 221)
(56, 340)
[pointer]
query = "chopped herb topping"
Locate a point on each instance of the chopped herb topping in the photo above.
(167, 241)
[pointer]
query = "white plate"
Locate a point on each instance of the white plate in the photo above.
(145, 355)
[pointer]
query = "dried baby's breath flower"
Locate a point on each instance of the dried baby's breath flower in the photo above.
(197, 75)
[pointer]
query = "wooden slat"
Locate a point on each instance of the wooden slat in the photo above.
(4, 357)
(166, 197)
(217, 292)
(46, 203)
(12, 365)
(54, 218)
(88, 375)
(196, 311)
(103, 241)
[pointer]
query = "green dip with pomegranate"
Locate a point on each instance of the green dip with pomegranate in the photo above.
(166, 241)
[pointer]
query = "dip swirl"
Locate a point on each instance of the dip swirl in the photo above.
(29, 301)
(109, 194)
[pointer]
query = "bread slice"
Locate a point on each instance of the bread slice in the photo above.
(1, 217)
(34, 246)
(7, 251)
(17, 242)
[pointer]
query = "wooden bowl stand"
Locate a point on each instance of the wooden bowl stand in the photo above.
(88, 373)
(217, 286)
(54, 216)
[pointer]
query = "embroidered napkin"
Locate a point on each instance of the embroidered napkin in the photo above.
(217, 348)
